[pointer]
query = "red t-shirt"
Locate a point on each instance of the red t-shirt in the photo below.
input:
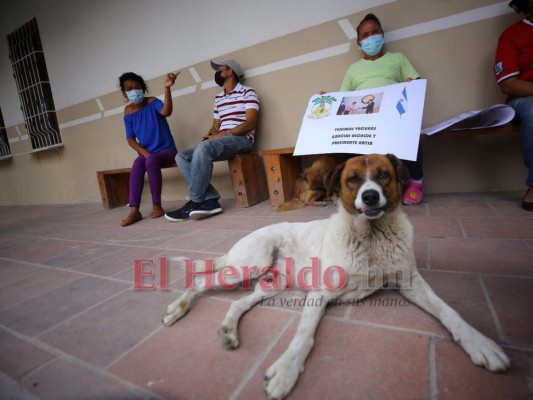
(514, 56)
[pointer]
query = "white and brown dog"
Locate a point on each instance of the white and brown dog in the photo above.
(370, 238)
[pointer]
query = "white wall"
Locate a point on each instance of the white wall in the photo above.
(89, 43)
(289, 49)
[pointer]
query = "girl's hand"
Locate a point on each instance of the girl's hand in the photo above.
(171, 78)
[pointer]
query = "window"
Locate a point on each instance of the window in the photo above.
(31, 76)
(5, 150)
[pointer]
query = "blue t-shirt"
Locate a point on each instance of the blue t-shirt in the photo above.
(150, 128)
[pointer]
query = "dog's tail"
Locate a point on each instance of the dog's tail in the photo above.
(292, 204)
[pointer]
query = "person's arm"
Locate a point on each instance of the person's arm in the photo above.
(166, 111)
(138, 148)
(407, 70)
(516, 87)
(245, 127)
(214, 131)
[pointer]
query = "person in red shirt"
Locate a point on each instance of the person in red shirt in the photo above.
(513, 69)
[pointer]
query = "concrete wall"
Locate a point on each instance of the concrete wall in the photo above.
(289, 50)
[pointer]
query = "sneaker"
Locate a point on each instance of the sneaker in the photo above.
(414, 193)
(206, 209)
(183, 213)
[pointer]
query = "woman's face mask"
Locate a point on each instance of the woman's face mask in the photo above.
(136, 96)
(372, 45)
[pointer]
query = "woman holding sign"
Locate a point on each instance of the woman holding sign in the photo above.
(378, 68)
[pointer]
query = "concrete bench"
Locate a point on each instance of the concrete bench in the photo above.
(247, 177)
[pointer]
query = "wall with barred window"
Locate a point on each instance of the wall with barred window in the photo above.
(289, 51)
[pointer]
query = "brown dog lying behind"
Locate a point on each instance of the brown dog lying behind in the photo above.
(310, 188)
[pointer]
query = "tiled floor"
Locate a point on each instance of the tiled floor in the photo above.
(73, 327)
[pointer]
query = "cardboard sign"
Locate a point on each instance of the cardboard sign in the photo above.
(381, 120)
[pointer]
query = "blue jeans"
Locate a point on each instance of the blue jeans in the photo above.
(523, 107)
(196, 164)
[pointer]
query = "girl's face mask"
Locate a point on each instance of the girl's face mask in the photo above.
(136, 96)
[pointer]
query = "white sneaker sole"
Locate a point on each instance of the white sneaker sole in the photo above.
(174, 219)
(200, 214)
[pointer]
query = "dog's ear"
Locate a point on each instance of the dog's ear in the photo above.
(333, 179)
(401, 172)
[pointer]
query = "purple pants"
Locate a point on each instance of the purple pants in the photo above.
(152, 165)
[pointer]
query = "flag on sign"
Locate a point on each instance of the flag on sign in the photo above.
(401, 106)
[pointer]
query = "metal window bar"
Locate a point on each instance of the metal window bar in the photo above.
(33, 85)
(5, 149)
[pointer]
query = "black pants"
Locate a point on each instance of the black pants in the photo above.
(415, 168)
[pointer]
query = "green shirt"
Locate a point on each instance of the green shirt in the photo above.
(388, 69)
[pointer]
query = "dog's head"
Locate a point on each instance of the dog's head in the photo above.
(370, 185)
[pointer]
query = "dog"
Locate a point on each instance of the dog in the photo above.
(369, 236)
(310, 188)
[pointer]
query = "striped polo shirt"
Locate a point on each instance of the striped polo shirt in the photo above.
(231, 108)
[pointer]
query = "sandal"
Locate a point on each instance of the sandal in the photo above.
(131, 219)
(414, 193)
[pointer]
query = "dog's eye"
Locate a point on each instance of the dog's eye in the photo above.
(354, 179)
(383, 175)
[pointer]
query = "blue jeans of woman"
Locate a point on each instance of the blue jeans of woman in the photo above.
(196, 164)
(523, 107)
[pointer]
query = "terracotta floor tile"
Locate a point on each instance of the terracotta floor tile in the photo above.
(388, 307)
(497, 256)
(464, 294)
(346, 361)
(18, 357)
(459, 379)
(461, 210)
(506, 228)
(419, 210)
(512, 210)
(117, 261)
(195, 240)
(512, 299)
(64, 380)
(187, 360)
(22, 282)
(43, 312)
(436, 227)
(112, 328)
(77, 253)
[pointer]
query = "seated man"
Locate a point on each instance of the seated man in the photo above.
(235, 117)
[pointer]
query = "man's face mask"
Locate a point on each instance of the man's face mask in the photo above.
(219, 80)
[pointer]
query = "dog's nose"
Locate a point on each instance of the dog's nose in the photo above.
(370, 197)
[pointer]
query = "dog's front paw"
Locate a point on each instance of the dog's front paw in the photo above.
(229, 337)
(281, 377)
(484, 352)
(174, 312)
